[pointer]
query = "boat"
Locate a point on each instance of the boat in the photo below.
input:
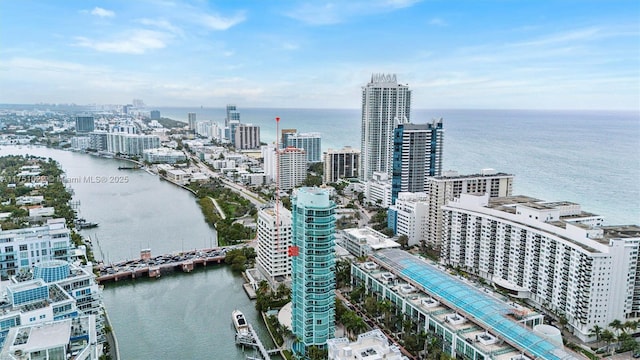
(84, 224)
(240, 322)
(128, 167)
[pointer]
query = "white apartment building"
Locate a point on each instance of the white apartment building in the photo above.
(378, 190)
(341, 164)
(292, 170)
(549, 254)
(272, 259)
(131, 144)
(411, 216)
(364, 241)
(268, 153)
(373, 344)
(163, 155)
(22, 248)
(450, 185)
(385, 104)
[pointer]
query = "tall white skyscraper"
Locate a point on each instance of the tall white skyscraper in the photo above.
(385, 104)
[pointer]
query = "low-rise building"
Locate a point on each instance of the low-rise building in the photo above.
(370, 345)
(364, 241)
(163, 155)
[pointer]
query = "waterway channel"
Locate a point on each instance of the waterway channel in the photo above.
(179, 316)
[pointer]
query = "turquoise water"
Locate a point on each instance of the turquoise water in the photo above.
(588, 157)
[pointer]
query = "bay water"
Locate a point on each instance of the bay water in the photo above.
(179, 316)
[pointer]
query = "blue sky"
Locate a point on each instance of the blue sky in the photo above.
(317, 54)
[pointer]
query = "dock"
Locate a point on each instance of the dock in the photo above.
(154, 267)
(252, 339)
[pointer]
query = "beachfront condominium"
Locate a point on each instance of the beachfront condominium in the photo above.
(450, 185)
(385, 105)
(274, 239)
(551, 254)
(310, 142)
(292, 168)
(417, 154)
(131, 144)
(246, 136)
(193, 124)
(313, 268)
(341, 164)
(232, 114)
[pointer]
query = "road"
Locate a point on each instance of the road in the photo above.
(254, 198)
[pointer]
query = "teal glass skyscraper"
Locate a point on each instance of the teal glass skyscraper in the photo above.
(313, 268)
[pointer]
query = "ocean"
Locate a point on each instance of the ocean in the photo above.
(588, 157)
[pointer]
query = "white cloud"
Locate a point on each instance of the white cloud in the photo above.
(217, 22)
(137, 41)
(161, 24)
(437, 22)
(328, 13)
(98, 11)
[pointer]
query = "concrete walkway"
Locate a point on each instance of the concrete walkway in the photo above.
(215, 203)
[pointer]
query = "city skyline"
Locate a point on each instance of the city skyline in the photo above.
(502, 55)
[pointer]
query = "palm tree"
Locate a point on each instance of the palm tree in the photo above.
(608, 337)
(617, 325)
(386, 306)
(631, 325)
(596, 331)
(358, 326)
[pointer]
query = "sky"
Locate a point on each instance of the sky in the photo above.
(475, 54)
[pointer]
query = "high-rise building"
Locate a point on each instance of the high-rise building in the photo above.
(272, 258)
(285, 133)
(230, 132)
(292, 168)
(232, 114)
(246, 136)
(154, 114)
(450, 185)
(131, 144)
(417, 154)
(551, 254)
(26, 247)
(313, 268)
(193, 124)
(385, 104)
(84, 124)
(268, 153)
(341, 164)
(310, 142)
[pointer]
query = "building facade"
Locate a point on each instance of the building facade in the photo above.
(246, 136)
(409, 216)
(272, 259)
(292, 168)
(84, 124)
(193, 123)
(377, 190)
(163, 155)
(310, 142)
(23, 248)
(467, 321)
(313, 268)
(341, 164)
(552, 254)
(131, 144)
(450, 185)
(385, 104)
(417, 154)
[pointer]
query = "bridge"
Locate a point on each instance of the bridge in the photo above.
(153, 267)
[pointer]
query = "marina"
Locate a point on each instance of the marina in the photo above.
(247, 336)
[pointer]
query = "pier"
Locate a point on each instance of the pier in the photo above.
(252, 339)
(153, 267)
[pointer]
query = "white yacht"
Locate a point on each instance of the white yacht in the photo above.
(240, 322)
